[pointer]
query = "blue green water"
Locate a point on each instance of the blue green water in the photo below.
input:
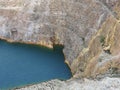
(22, 64)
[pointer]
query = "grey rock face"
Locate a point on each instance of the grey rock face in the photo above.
(77, 25)
(105, 84)
(71, 23)
(68, 22)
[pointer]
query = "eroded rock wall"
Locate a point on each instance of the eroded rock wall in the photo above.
(88, 30)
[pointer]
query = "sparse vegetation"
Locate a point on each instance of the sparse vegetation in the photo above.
(114, 70)
(102, 39)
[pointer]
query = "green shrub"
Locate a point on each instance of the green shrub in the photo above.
(102, 39)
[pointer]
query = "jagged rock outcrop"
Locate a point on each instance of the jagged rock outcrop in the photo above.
(89, 30)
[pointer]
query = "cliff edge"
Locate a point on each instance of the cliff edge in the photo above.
(89, 30)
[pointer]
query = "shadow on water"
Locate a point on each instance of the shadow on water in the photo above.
(22, 64)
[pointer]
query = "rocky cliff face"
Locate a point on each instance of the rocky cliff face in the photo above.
(89, 30)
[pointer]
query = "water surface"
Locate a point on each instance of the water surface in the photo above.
(22, 64)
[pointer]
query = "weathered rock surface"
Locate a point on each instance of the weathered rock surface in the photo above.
(105, 84)
(89, 30)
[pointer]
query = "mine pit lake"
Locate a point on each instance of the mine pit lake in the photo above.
(22, 64)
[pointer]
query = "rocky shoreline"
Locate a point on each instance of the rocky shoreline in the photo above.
(76, 84)
(89, 30)
(32, 43)
(89, 38)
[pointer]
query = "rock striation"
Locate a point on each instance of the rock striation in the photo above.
(89, 30)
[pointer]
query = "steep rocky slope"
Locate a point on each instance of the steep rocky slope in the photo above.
(89, 30)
